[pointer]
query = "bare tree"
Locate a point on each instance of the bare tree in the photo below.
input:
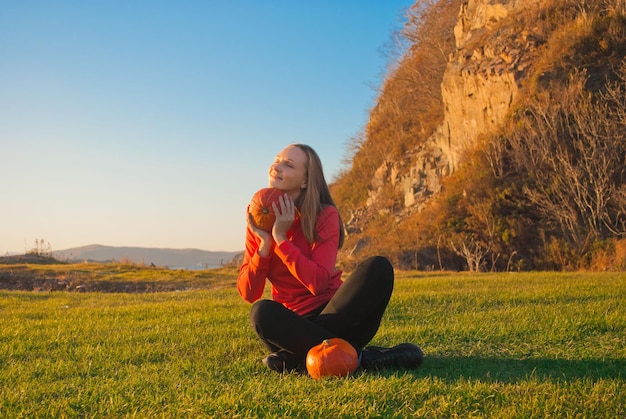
(471, 249)
(573, 146)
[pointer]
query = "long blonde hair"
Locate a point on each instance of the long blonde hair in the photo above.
(316, 195)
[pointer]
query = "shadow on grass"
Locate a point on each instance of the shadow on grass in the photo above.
(516, 370)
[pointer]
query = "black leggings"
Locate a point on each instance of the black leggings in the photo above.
(354, 313)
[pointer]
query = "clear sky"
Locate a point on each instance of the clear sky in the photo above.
(152, 123)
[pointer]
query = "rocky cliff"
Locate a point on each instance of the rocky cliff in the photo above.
(481, 81)
(484, 74)
(497, 105)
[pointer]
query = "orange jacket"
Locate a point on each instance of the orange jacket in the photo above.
(303, 275)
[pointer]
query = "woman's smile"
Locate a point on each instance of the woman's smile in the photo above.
(288, 172)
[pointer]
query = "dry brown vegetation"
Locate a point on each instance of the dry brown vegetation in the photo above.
(36, 273)
(409, 105)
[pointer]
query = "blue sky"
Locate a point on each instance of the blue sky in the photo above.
(152, 123)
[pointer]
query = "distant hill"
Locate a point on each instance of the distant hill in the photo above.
(183, 258)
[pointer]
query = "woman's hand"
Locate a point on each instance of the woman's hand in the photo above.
(285, 211)
(265, 246)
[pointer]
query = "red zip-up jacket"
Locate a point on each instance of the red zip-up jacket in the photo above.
(303, 275)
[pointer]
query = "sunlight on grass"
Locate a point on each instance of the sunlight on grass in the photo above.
(503, 345)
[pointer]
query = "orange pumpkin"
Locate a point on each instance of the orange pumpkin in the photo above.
(333, 357)
(261, 207)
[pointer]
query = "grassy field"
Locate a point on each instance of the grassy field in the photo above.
(497, 345)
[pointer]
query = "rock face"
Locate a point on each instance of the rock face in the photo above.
(483, 75)
(481, 82)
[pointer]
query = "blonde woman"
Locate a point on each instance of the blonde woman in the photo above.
(310, 302)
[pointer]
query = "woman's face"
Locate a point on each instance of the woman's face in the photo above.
(288, 172)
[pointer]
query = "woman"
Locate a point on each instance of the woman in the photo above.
(310, 302)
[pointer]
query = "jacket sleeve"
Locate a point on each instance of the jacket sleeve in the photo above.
(315, 272)
(253, 270)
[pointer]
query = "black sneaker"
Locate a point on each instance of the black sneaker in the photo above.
(405, 356)
(282, 362)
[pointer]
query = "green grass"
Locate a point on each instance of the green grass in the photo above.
(496, 345)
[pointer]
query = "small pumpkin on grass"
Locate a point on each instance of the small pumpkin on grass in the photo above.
(333, 357)
(261, 207)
